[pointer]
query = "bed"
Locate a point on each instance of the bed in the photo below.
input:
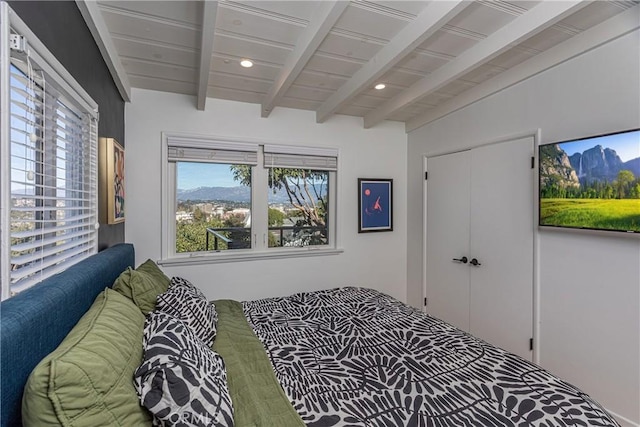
(339, 357)
(356, 357)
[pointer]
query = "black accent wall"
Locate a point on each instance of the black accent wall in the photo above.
(60, 26)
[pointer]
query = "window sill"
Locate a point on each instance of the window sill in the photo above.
(235, 256)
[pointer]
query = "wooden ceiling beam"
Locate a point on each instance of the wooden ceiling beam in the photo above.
(323, 20)
(98, 27)
(209, 12)
(530, 23)
(603, 33)
(430, 20)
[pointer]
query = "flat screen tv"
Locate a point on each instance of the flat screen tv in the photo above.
(591, 183)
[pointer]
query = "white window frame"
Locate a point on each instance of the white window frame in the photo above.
(69, 89)
(259, 204)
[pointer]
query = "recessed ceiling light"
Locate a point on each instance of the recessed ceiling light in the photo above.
(246, 63)
(380, 86)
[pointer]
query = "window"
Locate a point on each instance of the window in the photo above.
(299, 199)
(213, 210)
(49, 164)
(233, 199)
(298, 207)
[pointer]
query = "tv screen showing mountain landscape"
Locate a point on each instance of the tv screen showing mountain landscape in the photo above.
(592, 183)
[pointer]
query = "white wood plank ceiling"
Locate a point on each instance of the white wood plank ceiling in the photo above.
(433, 56)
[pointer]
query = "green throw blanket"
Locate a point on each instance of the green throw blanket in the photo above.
(258, 399)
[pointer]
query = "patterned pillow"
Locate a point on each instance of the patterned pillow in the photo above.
(188, 303)
(181, 381)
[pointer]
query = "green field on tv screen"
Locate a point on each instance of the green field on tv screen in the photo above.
(611, 214)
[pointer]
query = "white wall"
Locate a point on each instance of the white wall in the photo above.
(589, 284)
(375, 260)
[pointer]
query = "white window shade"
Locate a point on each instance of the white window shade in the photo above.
(284, 156)
(48, 184)
(195, 150)
(53, 179)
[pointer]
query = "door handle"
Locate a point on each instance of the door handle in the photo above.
(474, 262)
(462, 260)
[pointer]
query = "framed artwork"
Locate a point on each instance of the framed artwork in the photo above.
(112, 164)
(375, 201)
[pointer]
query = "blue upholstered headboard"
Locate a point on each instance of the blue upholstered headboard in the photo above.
(34, 322)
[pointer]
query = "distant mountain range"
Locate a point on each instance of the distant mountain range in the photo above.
(232, 194)
(595, 164)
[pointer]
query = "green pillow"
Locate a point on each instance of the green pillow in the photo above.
(88, 379)
(152, 268)
(142, 285)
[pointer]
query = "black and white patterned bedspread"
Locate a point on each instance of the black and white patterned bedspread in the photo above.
(356, 357)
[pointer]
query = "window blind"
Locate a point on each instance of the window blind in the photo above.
(53, 179)
(283, 156)
(211, 151)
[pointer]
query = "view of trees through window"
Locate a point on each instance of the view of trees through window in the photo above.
(213, 209)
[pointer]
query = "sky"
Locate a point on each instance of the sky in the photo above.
(194, 175)
(627, 145)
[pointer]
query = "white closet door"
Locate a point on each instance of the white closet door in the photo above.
(501, 239)
(447, 225)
